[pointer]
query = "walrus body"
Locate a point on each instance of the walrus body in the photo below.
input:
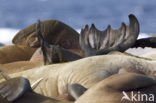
(13, 53)
(87, 72)
(151, 55)
(18, 90)
(54, 32)
(32, 97)
(19, 66)
(115, 88)
(37, 60)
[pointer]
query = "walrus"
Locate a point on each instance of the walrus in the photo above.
(46, 54)
(19, 66)
(55, 32)
(146, 42)
(53, 53)
(12, 53)
(151, 55)
(118, 88)
(87, 72)
(18, 90)
(95, 42)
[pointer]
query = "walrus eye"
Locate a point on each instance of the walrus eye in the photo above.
(96, 42)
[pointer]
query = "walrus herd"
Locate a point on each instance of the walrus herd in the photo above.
(49, 62)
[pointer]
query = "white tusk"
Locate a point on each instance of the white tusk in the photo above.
(35, 84)
(5, 76)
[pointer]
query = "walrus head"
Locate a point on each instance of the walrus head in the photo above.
(96, 42)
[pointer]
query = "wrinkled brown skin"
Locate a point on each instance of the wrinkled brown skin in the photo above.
(37, 61)
(37, 56)
(18, 90)
(19, 66)
(151, 55)
(32, 97)
(86, 71)
(12, 53)
(127, 54)
(110, 90)
(56, 54)
(54, 32)
(53, 53)
(14, 88)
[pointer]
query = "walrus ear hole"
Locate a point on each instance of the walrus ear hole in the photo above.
(76, 90)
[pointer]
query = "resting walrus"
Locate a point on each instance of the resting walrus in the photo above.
(55, 33)
(12, 53)
(18, 90)
(118, 88)
(86, 71)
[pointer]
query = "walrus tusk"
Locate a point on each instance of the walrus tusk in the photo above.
(36, 83)
(5, 76)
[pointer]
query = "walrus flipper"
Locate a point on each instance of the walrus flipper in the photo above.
(145, 42)
(44, 45)
(128, 81)
(53, 53)
(14, 88)
(76, 90)
(96, 42)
